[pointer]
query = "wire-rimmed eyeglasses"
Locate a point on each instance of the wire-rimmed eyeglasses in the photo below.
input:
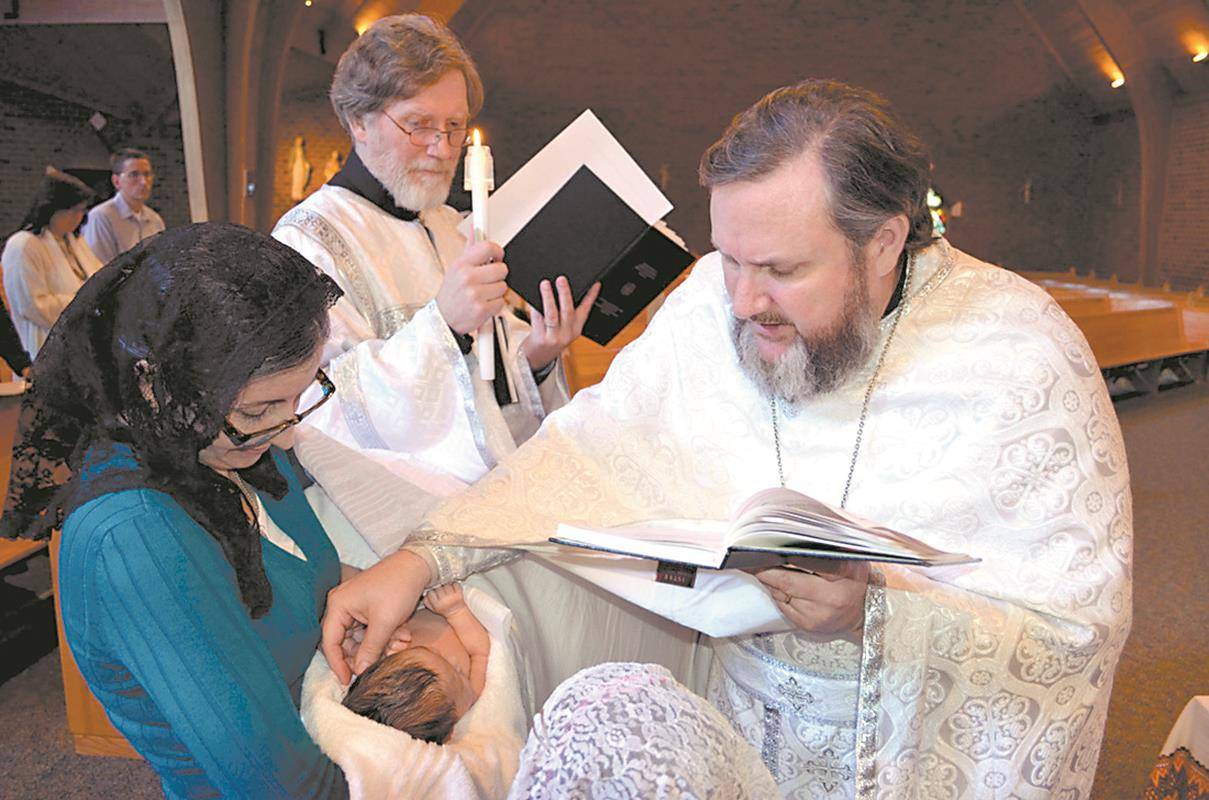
(427, 137)
(243, 441)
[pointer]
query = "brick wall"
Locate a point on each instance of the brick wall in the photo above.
(972, 79)
(1184, 236)
(1022, 179)
(310, 116)
(37, 129)
(1107, 220)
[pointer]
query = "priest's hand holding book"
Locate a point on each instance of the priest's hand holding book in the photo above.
(558, 323)
(473, 292)
(820, 597)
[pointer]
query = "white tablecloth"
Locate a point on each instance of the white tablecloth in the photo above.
(1191, 730)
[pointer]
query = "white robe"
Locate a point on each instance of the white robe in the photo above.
(39, 281)
(405, 393)
(989, 432)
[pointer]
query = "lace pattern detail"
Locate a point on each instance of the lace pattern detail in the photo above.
(630, 730)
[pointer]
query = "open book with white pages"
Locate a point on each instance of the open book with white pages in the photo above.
(771, 527)
(693, 571)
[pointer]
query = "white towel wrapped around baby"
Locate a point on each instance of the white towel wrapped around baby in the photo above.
(478, 762)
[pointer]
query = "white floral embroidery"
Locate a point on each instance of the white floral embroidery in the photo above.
(913, 775)
(1036, 476)
(991, 727)
(1047, 755)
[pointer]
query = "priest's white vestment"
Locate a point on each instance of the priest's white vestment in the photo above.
(405, 392)
(989, 432)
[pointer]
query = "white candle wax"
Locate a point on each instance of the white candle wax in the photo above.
(479, 180)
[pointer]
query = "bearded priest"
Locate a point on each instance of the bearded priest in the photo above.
(832, 344)
(414, 290)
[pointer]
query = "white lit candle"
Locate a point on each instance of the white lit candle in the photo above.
(479, 180)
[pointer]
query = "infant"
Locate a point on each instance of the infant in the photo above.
(425, 688)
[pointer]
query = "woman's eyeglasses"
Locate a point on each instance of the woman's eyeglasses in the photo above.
(243, 441)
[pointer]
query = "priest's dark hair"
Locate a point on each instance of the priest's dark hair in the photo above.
(148, 359)
(876, 168)
(58, 191)
(399, 57)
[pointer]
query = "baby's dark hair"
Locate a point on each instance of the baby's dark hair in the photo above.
(401, 692)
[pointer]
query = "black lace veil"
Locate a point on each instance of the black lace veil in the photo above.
(151, 354)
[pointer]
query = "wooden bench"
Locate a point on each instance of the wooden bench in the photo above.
(1129, 324)
(13, 551)
(1078, 305)
(1134, 334)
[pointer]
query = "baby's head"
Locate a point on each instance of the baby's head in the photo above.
(415, 690)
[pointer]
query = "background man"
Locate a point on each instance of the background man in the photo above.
(406, 91)
(832, 345)
(124, 220)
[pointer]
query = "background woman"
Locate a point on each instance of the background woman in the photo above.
(45, 263)
(192, 571)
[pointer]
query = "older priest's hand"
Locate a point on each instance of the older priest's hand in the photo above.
(828, 600)
(558, 323)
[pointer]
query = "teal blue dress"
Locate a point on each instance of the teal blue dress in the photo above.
(151, 611)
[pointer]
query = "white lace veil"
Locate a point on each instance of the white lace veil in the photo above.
(632, 731)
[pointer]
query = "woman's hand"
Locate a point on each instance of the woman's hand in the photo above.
(557, 324)
(380, 599)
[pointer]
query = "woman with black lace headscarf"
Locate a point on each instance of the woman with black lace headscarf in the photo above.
(192, 572)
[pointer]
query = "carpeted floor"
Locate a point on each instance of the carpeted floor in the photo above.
(1165, 663)
(39, 763)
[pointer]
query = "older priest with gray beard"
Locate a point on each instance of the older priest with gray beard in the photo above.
(833, 345)
(401, 348)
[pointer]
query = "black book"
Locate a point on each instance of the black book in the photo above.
(582, 207)
(588, 233)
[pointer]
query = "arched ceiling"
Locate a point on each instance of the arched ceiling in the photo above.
(117, 69)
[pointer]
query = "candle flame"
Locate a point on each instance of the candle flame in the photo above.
(478, 138)
(1200, 56)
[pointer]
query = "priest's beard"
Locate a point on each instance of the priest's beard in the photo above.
(419, 185)
(817, 365)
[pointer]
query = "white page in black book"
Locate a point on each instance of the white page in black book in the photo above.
(775, 520)
(585, 142)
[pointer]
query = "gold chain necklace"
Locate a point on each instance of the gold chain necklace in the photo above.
(249, 495)
(860, 425)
